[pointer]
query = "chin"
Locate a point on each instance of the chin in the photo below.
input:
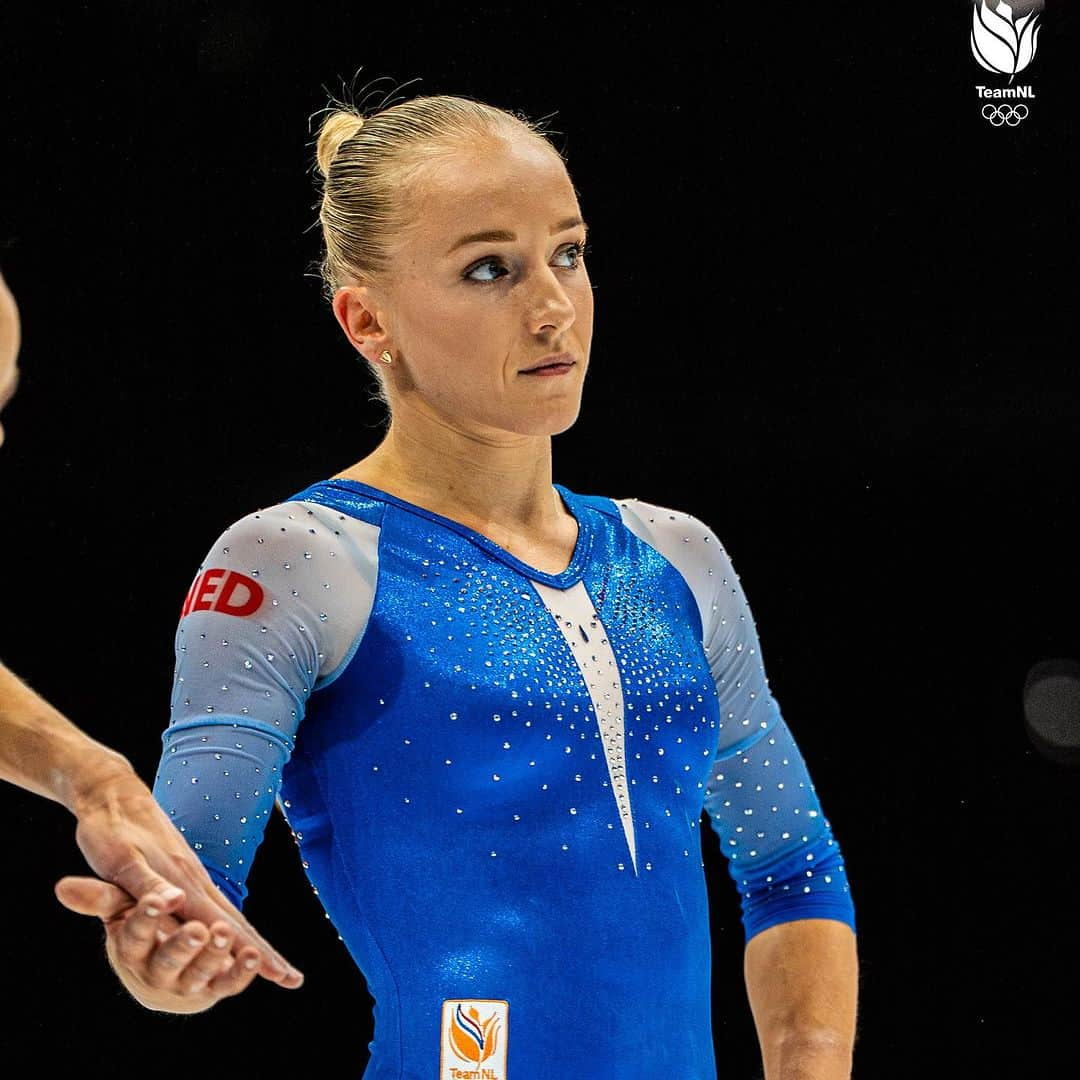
(552, 419)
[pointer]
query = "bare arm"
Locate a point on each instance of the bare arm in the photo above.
(44, 752)
(802, 982)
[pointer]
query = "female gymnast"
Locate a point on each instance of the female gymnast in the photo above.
(492, 709)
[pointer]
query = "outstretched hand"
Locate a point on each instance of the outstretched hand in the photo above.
(129, 841)
(164, 963)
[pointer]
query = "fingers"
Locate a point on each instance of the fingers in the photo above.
(149, 939)
(178, 967)
(167, 961)
(205, 902)
(239, 976)
(292, 979)
(155, 858)
(136, 937)
(214, 905)
(196, 963)
(214, 959)
(138, 879)
(89, 896)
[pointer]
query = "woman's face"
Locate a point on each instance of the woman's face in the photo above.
(9, 346)
(468, 317)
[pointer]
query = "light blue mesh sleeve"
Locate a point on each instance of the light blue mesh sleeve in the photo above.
(761, 803)
(275, 611)
(218, 783)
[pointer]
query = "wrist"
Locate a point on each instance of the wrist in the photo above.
(44, 752)
(97, 782)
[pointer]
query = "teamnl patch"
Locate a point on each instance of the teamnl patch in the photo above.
(472, 1044)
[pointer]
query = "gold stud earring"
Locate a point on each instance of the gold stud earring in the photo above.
(386, 358)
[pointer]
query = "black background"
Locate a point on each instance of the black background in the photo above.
(834, 319)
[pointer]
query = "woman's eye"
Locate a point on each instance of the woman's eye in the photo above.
(577, 250)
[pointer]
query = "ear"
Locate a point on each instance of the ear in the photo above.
(355, 311)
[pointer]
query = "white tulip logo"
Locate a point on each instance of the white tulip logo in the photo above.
(999, 44)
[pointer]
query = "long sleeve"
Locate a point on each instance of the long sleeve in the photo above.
(760, 800)
(275, 612)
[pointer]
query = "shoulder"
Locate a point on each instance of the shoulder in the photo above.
(299, 565)
(294, 527)
(655, 515)
(297, 545)
(669, 529)
(696, 551)
(689, 544)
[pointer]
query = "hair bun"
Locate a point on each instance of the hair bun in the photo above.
(337, 127)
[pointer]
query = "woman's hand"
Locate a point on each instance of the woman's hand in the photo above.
(128, 840)
(164, 963)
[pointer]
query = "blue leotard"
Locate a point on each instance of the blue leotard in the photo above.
(496, 774)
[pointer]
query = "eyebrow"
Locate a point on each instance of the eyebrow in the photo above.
(502, 236)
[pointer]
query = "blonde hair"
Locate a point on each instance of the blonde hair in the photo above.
(368, 161)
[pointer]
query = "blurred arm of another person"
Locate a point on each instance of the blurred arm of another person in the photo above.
(124, 834)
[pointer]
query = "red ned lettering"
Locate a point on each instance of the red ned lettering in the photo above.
(225, 599)
(206, 593)
(226, 591)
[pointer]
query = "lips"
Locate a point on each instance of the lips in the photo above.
(563, 360)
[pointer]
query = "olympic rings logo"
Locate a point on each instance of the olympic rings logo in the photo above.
(1004, 114)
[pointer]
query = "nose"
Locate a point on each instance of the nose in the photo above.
(553, 307)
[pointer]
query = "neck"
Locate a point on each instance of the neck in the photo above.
(492, 477)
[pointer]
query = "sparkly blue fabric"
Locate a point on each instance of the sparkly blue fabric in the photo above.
(454, 810)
